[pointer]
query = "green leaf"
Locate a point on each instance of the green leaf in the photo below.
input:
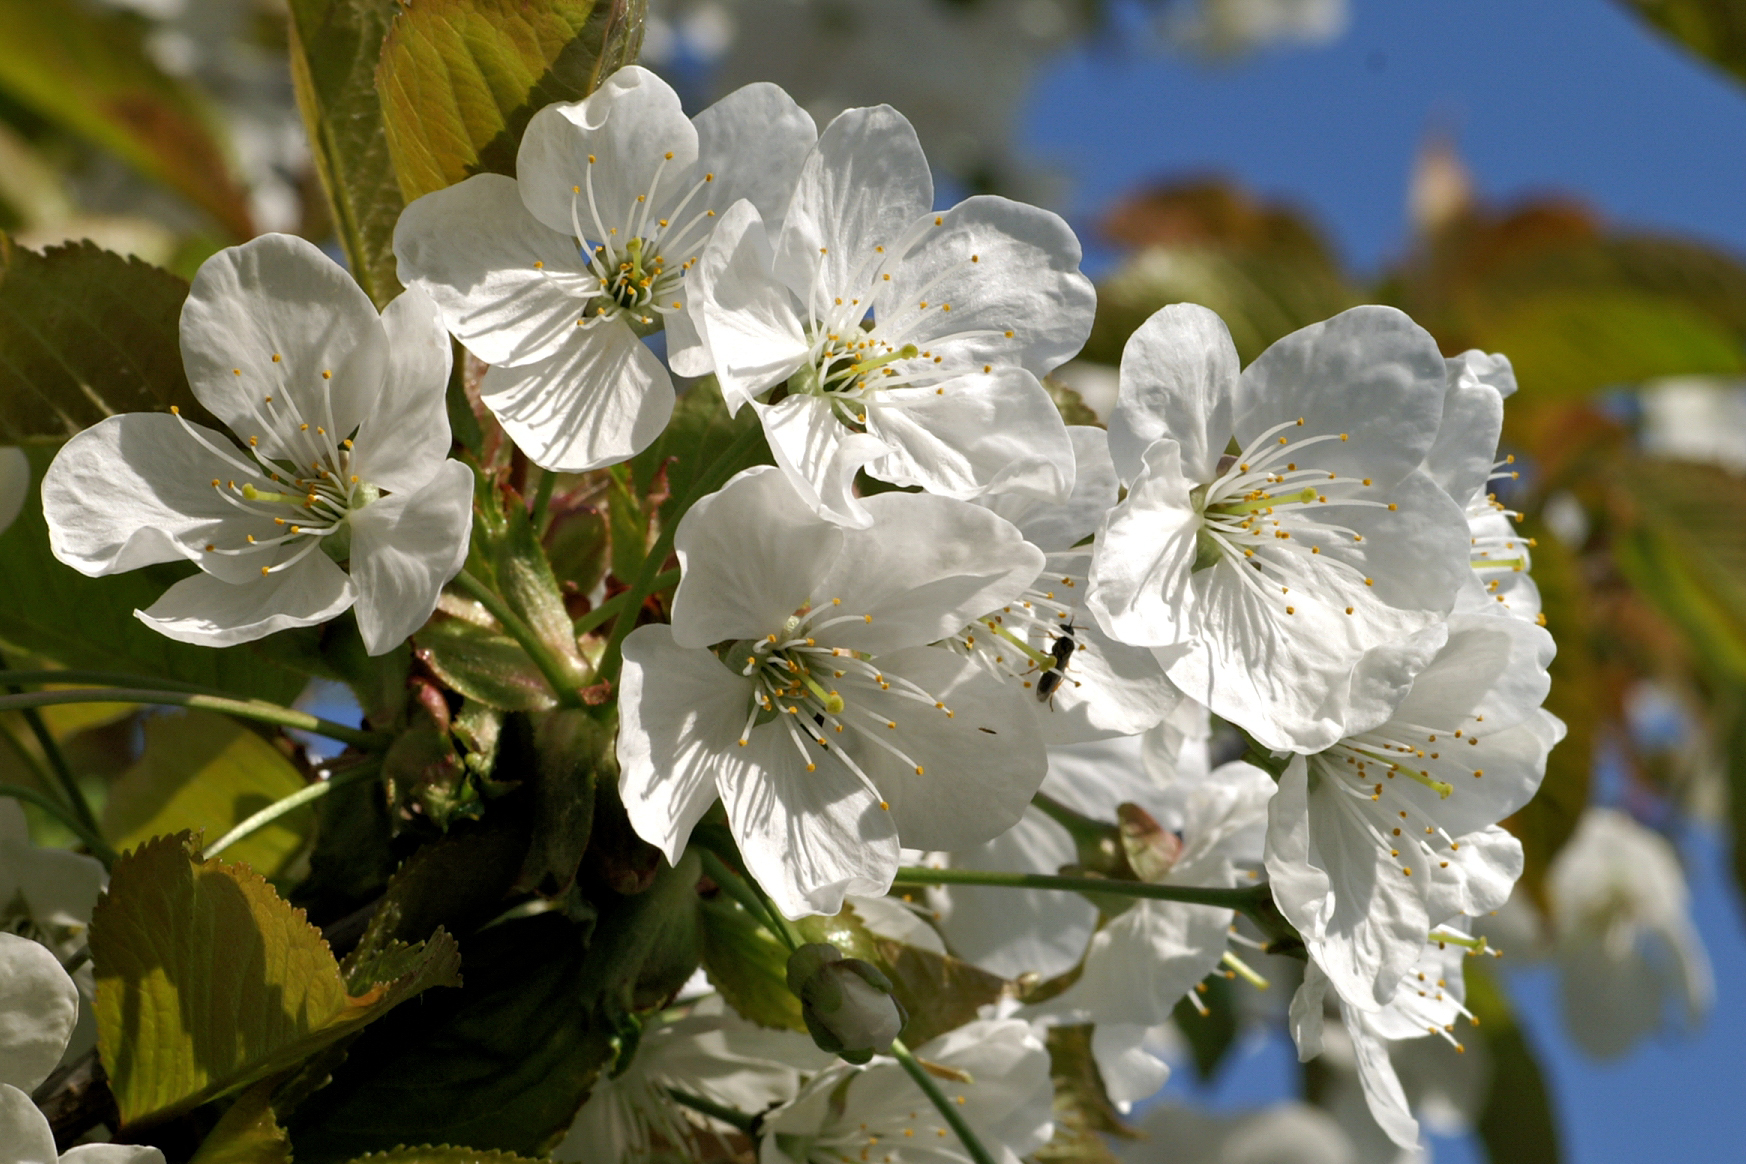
(177, 1026)
(459, 79)
(88, 622)
(247, 1133)
(483, 665)
(1713, 29)
(85, 334)
(505, 1062)
(335, 45)
(205, 772)
(1517, 1123)
(1211, 1035)
(87, 70)
(525, 579)
(699, 432)
(573, 753)
(746, 964)
(1574, 341)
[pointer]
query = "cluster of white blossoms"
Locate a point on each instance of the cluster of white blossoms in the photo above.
(942, 620)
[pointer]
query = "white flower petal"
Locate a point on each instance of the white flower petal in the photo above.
(993, 282)
(1129, 1070)
(1054, 525)
(38, 1006)
(405, 439)
(754, 141)
(1306, 1019)
(112, 1154)
(810, 838)
(752, 554)
(924, 569)
(975, 770)
(611, 144)
(1480, 874)
(976, 434)
(1018, 931)
(744, 316)
(681, 713)
(819, 455)
(1145, 551)
(1179, 372)
(136, 489)
(25, 1135)
(211, 613)
(405, 547)
(1141, 964)
(1369, 372)
(1382, 1090)
(508, 286)
(268, 318)
(864, 186)
(1461, 459)
(602, 399)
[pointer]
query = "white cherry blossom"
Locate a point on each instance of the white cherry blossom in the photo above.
(47, 895)
(1263, 577)
(1393, 830)
(1430, 1000)
(710, 1053)
(908, 342)
(797, 681)
(1083, 684)
(554, 276)
(337, 491)
(1464, 462)
(14, 484)
(38, 1007)
(1622, 934)
(1002, 1091)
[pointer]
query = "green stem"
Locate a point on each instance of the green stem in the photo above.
(369, 768)
(57, 761)
(542, 501)
(242, 708)
(1241, 900)
(615, 604)
(710, 479)
(107, 679)
(716, 1111)
(93, 840)
(947, 1109)
(753, 902)
(558, 674)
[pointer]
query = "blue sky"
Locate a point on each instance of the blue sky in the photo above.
(1540, 95)
(1564, 95)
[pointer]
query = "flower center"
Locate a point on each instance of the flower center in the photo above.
(1263, 511)
(309, 491)
(810, 689)
(1367, 770)
(1029, 641)
(638, 281)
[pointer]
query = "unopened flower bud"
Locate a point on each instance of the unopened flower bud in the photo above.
(846, 1002)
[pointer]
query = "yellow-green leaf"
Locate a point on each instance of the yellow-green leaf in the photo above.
(87, 70)
(1713, 29)
(207, 981)
(247, 1133)
(459, 79)
(205, 772)
(335, 45)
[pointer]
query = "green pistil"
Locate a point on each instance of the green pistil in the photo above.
(906, 352)
(1500, 563)
(1259, 504)
(829, 700)
(1476, 944)
(1441, 789)
(1243, 971)
(1046, 662)
(250, 493)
